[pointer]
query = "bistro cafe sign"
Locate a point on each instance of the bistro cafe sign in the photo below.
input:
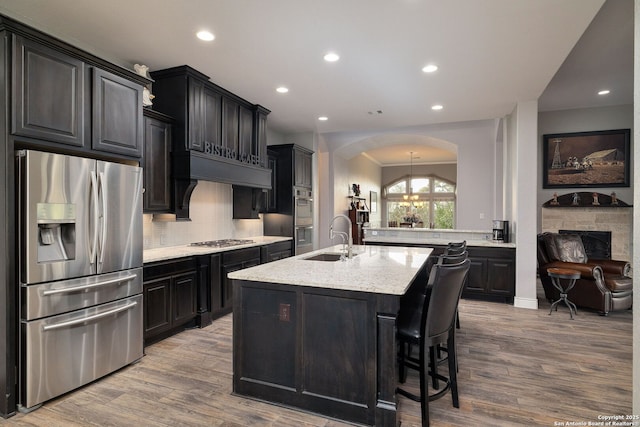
(228, 153)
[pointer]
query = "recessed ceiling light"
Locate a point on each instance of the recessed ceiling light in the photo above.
(323, 118)
(604, 92)
(437, 107)
(205, 35)
(430, 68)
(282, 89)
(331, 57)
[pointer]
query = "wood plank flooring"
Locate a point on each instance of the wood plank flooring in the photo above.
(517, 367)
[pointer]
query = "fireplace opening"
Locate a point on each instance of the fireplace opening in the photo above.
(597, 244)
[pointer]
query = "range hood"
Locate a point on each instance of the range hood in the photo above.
(191, 166)
(218, 136)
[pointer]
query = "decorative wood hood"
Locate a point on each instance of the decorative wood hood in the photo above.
(218, 136)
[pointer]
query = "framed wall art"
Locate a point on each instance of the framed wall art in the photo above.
(586, 159)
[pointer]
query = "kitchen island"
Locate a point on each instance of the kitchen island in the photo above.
(319, 335)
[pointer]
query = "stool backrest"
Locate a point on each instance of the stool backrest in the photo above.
(439, 317)
(454, 248)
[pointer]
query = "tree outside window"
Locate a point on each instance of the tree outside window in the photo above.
(421, 202)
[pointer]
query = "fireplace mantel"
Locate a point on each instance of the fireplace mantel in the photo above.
(584, 199)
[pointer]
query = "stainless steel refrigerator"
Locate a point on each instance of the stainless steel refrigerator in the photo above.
(80, 256)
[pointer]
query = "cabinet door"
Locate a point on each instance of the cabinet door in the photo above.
(215, 284)
(48, 94)
(212, 116)
(204, 116)
(477, 279)
(196, 115)
(184, 297)
(116, 114)
(501, 277)
(246, 150)
(260, 136)
(230, 131)
(233, 261)
(157, 306)
(302, 169)
(227, 288)
(271, 196)
(157, 166)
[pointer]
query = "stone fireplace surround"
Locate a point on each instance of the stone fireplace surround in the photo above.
(619, 221)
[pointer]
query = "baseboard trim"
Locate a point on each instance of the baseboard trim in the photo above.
(531, 303)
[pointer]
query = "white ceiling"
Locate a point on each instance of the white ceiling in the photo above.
(491, 54)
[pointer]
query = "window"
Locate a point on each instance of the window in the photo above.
(421, 202)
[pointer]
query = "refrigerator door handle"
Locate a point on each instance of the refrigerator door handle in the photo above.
(89, 318)
(103, 232)
(89, 286)
(94, 211)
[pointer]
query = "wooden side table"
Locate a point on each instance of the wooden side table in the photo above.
(557, 275)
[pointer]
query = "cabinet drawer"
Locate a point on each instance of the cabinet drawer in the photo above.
(241, 255)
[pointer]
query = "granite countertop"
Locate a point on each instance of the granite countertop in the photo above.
(427, 236)
(180, 251)
(377, 269)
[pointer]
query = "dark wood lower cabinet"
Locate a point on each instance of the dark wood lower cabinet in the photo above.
(170, 297)
(276, 251)
(233, 261)
(492, 274)
(321, 350)
(192, 291)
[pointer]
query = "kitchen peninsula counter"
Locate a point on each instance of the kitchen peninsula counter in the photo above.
(493, 264)
(320, 335)
(429, 236)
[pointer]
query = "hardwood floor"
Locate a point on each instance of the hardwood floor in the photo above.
(517, 367)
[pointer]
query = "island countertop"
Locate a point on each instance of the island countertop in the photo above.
(376, 269)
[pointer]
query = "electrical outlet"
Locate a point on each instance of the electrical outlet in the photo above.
(481, 215)
(285, 312)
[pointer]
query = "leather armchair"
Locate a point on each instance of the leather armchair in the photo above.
(604, 284)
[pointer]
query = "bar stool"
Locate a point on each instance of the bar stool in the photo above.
(557, 275)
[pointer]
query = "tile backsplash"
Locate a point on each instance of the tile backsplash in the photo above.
(211, 211)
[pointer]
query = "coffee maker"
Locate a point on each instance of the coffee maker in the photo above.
(500, 231)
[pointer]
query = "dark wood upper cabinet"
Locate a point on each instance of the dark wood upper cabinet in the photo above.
(204, 110)
(260, 136)
(48, 94)
(60, 99)
(230, 130)
(218, 136)
(246, 147)
(157, 162)
(302, 173)
(116, 114)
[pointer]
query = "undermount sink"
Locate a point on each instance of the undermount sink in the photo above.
(325, 257)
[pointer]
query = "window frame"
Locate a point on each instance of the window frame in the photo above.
(431, 197)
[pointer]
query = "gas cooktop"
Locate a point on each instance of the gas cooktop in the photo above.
(223, 243)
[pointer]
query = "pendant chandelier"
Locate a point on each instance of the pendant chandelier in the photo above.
(411, 198)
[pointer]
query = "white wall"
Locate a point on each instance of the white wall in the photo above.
(474, 143)
(446, 171)
(525, 207)
(584, 120)
(368, 175)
